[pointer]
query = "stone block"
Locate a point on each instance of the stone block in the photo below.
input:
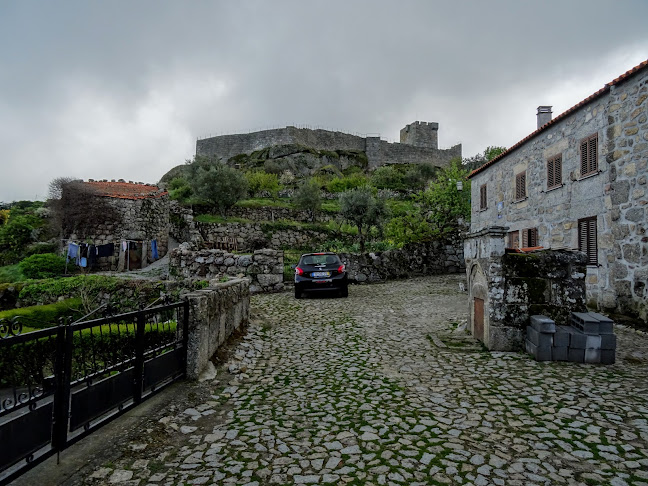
(562, 336)
(576, 355)
(543, 324)
(540, 353)
(608, 341)
(585, 323)
(606, 325)
(560, 353)
(541, 339)
(579, 340)
(593, 355)
(608, 356)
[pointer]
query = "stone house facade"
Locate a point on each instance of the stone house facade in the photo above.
(577, 182)
(137, 226)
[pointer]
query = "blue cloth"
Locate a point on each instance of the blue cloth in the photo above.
(83, 262)
(154, 251)
(73, 251)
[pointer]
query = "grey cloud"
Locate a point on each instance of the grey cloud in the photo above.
(109, 89)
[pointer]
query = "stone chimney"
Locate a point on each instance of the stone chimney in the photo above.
(544, 115)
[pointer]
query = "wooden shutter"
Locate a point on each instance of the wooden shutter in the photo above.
(554, 172)
(587, 239)
(482, 197)
(520, 186)
(533, 237)
(589, 155)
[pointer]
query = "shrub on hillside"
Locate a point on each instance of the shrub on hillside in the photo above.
(387, 177)
(261, 181)
(347, 183)
(44, 265)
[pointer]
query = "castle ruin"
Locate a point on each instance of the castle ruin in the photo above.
(418, 144)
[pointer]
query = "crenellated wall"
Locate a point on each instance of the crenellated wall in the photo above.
(419, 146)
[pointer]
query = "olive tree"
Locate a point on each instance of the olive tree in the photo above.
(364, 210)
(308, 197)
(218, 185)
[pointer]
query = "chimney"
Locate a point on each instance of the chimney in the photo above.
(544, 115)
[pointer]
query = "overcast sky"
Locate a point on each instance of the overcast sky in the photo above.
(122, 88)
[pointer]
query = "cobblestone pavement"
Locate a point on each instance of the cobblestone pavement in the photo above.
(385, 388)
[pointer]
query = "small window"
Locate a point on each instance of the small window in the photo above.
(529, 237)
(520, 186)
(514, 239)
(554, 172)
(587, 239)
(483, 201)
(589, 155)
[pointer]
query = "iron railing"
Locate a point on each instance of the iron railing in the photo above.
(59, 384)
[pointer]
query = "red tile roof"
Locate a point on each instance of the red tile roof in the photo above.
(563, 115)
(126, 190)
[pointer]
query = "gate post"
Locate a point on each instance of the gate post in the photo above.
(185, 335)
(63, 375)
(138, 366)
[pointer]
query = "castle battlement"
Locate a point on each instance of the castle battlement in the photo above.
(418, 144)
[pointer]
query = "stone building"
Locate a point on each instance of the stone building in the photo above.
(418, 144)
(577, 182)
(132, 217)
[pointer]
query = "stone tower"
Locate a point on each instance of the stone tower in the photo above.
(420, 134)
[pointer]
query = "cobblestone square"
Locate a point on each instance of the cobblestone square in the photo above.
(385, 387)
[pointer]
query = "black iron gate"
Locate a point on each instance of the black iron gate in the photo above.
(59, 384)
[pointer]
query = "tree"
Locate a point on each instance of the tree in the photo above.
(217, 184)
(439, 211)
(308, 197)
(261, 181)
(476, 161)
(76, 207)
(360, 208)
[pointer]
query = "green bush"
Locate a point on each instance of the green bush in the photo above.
(387, 177)
(261, 181)
(41, 316)
(347, 183)
(44, 265)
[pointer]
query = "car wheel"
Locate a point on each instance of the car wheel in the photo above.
(298, 294)
(344, 292)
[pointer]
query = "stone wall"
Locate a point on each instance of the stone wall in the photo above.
(431, 258)
(249, 236)
(510, 287)
(264, 268)
(627, 156)
(616, 194)
(214, 314)
(379, 152)
(273, 214)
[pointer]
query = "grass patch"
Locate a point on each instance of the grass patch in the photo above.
(42, 316)
(216, 218)
(264, 202)
(10, 274)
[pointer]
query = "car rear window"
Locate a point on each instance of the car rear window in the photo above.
(320, 259)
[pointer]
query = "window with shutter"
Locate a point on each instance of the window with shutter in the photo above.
(554, 172)
(520, 186)
(589, 155)
(587, 239)
(483, 201)
(529, 237)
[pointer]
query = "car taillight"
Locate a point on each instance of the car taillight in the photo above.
(341, 269)
(299, 271)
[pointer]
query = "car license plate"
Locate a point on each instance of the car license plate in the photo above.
(320, 274)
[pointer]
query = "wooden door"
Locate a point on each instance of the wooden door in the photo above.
(478, 321)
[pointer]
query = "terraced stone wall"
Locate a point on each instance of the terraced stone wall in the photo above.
(263, 268)
(433, 258)
(214, 314)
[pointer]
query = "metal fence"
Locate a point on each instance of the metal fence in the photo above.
(59, 384)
